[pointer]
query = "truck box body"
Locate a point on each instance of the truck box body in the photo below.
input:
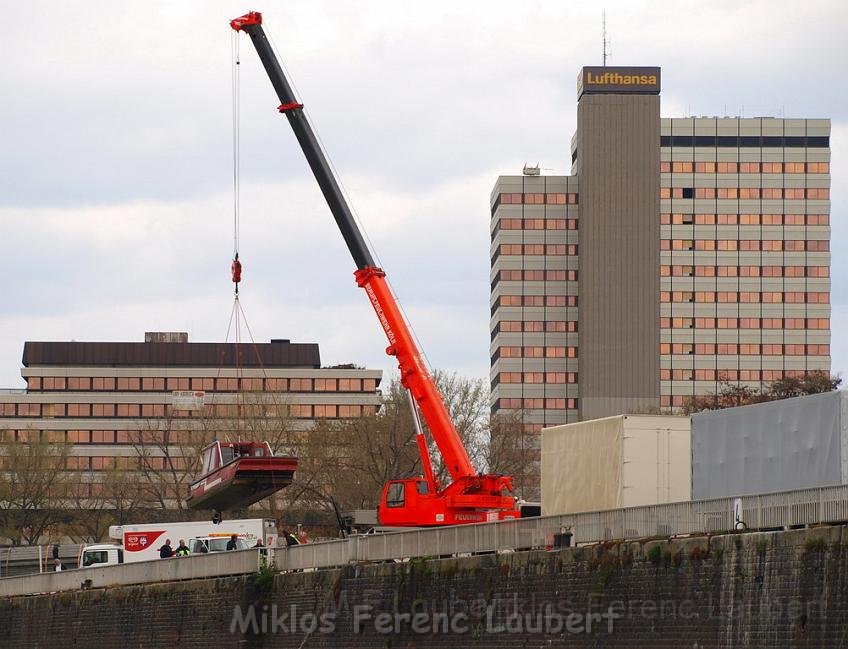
(142, 542)
(622, 461)
(781, 445)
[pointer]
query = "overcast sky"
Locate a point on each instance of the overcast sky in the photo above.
(116, 160)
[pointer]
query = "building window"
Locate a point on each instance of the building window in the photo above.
(103, 410)
(350, 385)
(128, 410)
(225, 384)
(54, 383)
(79, 410)
(199, 383)
(820, 193)
(350, 411)
(326, 411)
(300, 385)
(79, 383)
(153, 383)
(125, 384)
(511, 199)
(815, 167)
(326, 385)
(177, 383)
(271, 385)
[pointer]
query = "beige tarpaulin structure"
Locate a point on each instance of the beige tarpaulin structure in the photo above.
(621, 461)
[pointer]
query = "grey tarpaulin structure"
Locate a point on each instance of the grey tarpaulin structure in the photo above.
(776, 446)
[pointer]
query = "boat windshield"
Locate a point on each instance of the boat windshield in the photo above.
(209, 459)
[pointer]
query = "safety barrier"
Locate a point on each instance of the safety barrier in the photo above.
(769, 511)
(202, 566)
(28, 559)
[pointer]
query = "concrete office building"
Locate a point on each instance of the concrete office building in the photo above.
(110, 399)
(679, 253)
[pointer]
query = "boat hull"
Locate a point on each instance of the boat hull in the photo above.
(242, 482)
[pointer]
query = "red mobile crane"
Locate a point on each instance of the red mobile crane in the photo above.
(471, 497)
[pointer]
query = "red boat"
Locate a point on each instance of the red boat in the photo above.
(238, 474)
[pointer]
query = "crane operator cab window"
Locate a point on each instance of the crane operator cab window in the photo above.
(423, 489)
(395, 495)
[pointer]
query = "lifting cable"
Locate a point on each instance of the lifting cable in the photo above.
(235, 266)
(236, 83)
(237, 314)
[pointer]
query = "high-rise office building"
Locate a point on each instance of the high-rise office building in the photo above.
(680, 253)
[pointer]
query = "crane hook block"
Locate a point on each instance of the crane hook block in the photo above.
(236, 269)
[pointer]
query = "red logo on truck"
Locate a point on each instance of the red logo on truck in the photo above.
(138, 541)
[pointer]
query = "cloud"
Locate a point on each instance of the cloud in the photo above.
(116, 169)
(112, 272)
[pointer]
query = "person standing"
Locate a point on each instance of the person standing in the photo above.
(182, 549)
(57, 565)
(166, 551)
(232, 544)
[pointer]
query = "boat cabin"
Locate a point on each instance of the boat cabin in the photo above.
(219, 454)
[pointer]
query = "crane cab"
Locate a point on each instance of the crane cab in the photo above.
(411, 502)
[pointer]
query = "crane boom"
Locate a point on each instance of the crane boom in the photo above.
(468, 491)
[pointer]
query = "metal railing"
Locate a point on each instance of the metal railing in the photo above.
(28, 559)
(769, 511)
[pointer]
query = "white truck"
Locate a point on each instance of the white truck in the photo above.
(142, 542)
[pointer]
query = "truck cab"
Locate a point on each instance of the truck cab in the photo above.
(206, 544)
(103, 554)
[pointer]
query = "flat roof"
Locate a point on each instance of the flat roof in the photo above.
(167, 354)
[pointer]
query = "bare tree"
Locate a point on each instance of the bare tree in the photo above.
(103, 498)
(34, 486)
(467, 401)
(168, 461)
(347, 463)
(512, 451)
(119, 490)
(732, 394)
(90, 517)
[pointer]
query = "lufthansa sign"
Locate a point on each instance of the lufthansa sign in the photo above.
(617, 80)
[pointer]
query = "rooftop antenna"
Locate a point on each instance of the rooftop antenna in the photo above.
(605, 41)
